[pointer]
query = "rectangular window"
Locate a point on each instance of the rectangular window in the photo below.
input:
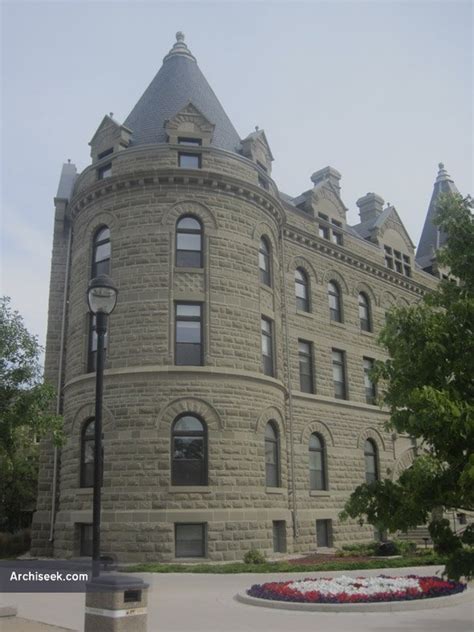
(339, 374)
(189, 161)
(323, 231)
(370, 390)
(323, 533)
(263, 183)
(267, 346)
(337, 238)
(191, 142)
(105, 153)
(305, 354)
(104, 172)
(85, 540)
(279, 536)
(190, 540)
(188, 334)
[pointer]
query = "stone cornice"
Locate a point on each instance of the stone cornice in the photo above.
(172, 177)
(346, 256)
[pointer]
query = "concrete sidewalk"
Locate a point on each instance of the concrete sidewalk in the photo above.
(181, 602)
(14, 624)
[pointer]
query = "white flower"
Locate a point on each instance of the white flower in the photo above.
(356, 585)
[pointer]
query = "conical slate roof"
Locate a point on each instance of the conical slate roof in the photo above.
(179, 82)
(431, 237)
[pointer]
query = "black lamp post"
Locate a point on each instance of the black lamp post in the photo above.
(101, 297)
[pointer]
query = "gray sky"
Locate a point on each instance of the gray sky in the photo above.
(382, 91)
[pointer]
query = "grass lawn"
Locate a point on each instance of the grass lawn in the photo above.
(288, 566)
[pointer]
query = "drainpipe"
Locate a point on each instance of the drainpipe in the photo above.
(60, 381)
(291, 451)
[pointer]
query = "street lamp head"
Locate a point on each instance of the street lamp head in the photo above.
(101, 295)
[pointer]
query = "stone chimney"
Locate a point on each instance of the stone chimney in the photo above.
(370, 207)
(328, 174)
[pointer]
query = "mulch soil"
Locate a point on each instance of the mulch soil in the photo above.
(321, 558)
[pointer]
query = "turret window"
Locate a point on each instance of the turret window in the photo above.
(189, 243)
(189, 451)
(264, 262)
(267, 346)
(189, 161)
(272, 455)
(87, 453)
(101, 252)
(188, 334)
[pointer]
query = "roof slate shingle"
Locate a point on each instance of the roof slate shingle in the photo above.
(179, 82)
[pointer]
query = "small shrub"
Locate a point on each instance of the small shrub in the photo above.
(254, 557)
(388, 548)
(12, 544)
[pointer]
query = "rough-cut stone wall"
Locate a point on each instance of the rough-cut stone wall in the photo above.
(144, 391)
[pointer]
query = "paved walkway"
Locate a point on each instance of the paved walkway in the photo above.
(205, 603)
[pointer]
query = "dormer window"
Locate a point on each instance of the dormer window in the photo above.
(388, 257)
(105, 153)
(191, 142)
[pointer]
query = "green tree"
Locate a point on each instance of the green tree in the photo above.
(427, 383)
(25, 414)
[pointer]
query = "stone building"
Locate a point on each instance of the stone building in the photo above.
(238, 409)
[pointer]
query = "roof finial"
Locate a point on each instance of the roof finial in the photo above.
(179, 48)
(442, 173)
(111, 114)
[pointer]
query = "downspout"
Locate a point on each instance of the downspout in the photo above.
(291, 451)
(60, 381)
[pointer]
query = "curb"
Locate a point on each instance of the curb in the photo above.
(8, 611)
(351, 608)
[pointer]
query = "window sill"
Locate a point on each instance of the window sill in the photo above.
(189, 489)
(370, 334)
(274, 490)
(84, 491)
(324, 493)
(336, 323)
(178, 269)
(300, 312)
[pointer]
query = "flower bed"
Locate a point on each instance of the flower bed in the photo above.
(345, 589)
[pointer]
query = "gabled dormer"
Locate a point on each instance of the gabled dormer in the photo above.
(110, 137)
(189, 126)
(255, 147)
(383, 226)
(323, 203)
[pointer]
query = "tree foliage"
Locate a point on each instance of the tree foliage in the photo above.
(25, 415)
(427, 384)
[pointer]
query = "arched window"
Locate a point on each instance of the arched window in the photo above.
(87, 453)
(334, 297)
(101, 252)
(317, 462)
(264, 262)
(272, 455)
(301, 290)
(364, 313)
(188, 451)
(188, 242)
(371, 467)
